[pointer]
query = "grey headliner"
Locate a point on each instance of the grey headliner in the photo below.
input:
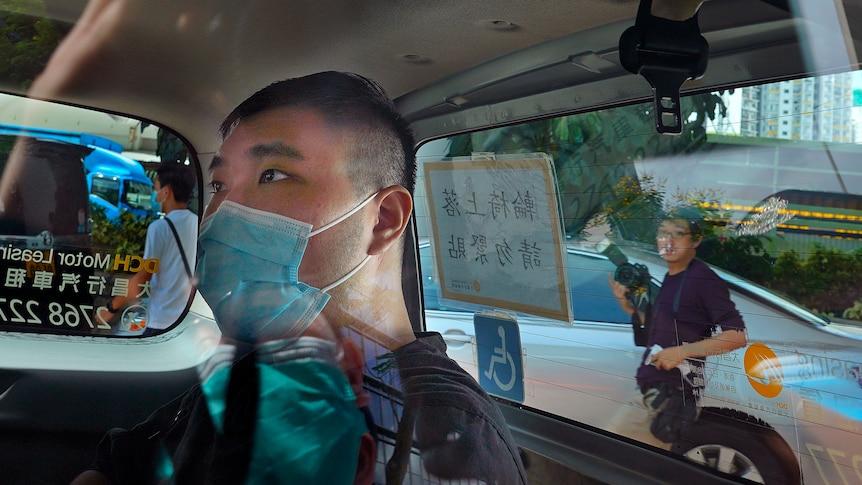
(186, 64)
(189, 77)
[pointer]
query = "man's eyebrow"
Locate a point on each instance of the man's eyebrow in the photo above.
(216, 162)
(275, 149)
(262, 150)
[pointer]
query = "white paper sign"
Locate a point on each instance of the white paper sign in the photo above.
(498, 234)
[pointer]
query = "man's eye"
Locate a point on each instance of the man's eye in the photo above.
(215, 187)
(272, 175)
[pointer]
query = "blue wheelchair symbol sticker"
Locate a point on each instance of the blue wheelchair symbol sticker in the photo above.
(498, 352)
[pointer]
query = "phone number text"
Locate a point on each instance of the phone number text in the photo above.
(15, 310)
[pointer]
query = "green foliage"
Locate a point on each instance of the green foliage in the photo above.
(825, 279)
(854, 312)
(709, 202)
(26, 44)
(743, 255)
(634, 209)
(126, 236)
(637, 206)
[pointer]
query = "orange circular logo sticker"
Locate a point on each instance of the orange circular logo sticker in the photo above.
(763, 370)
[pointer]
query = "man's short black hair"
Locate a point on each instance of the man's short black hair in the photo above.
(381, 153)
(688, 213)
(179, 177)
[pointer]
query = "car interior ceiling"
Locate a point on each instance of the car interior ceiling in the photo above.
(577, 43)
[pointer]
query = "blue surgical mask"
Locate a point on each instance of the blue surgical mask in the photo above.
(248, 263)
(307, 427)
(154, 201)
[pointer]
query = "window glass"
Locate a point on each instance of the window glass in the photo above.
(772, 175)
(139, 195)
(76, 205)
(108, 189)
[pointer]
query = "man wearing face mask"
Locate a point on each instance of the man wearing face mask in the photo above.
(312, 192)
(172, 241)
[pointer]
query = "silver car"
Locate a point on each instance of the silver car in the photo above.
(781, 403)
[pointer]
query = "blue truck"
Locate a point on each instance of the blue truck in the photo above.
(115, 182)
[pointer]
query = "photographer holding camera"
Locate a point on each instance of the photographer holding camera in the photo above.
(691, 318)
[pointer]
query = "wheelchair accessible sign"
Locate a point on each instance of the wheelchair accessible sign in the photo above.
(498, 352)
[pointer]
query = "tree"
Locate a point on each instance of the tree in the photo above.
(169, 148)
(126, 235)
(26, 43)
(633, 210)
(825, 280)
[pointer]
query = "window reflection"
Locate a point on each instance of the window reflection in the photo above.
(782, 228)
(75, 207)
(770, 205)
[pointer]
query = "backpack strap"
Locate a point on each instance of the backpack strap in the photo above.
(180, 244)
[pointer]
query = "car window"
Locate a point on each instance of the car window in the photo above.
(139, 195)
(75, 208)
(771, 171)
(108, 189)
(773, 199)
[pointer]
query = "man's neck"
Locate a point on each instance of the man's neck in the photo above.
(169, 206)
(377, 313)
(678, 267)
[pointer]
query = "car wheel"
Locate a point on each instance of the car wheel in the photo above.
(741, 446)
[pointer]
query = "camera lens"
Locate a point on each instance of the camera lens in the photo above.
(625, 274)
(632, 275)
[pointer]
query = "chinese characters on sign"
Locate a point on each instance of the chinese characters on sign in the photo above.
(44, 286)
(498, 234)
(41, 269)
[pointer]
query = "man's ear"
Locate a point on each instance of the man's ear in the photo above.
(395, 205)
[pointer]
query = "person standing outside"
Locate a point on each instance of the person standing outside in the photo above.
(684, 322)
(171, 286)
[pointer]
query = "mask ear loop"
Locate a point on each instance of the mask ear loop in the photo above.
(336, 221)
(347, 276)
(345, 216)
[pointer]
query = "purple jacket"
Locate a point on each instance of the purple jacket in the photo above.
(690, 305)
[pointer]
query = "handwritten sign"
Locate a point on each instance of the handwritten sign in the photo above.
(498, 234)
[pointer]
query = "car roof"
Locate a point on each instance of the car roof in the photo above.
(186, 64)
